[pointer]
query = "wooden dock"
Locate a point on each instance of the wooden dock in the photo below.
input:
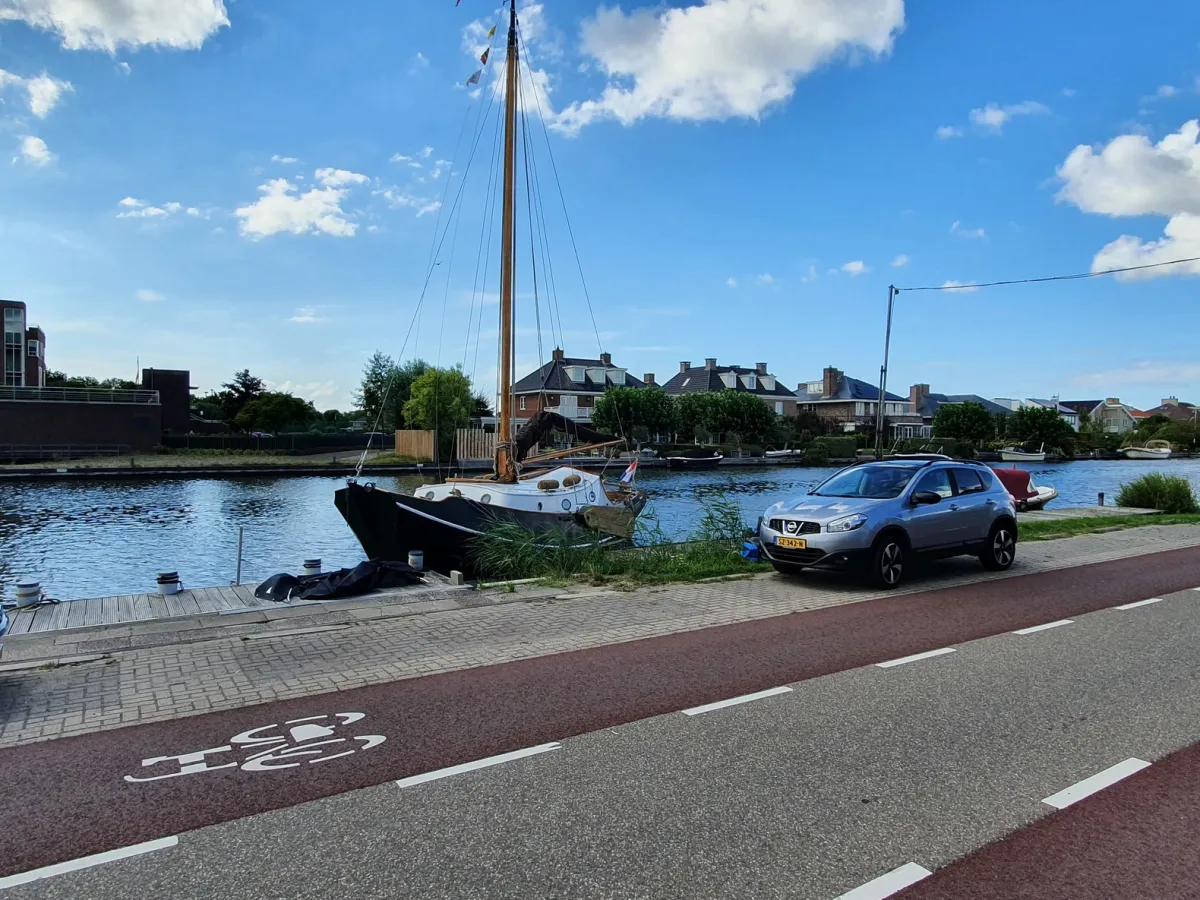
(1085, 512)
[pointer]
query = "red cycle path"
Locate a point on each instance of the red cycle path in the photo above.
(67, 798)
(1136, 840)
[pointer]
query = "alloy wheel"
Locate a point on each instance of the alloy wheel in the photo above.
(1003, 548)
(891, 564)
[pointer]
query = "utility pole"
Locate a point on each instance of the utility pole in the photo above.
(887, 345)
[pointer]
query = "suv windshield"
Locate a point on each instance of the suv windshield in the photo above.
(878, 481)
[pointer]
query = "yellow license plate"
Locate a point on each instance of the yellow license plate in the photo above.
(791, 543)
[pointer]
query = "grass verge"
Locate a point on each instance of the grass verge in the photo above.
(713, 551)
(1048, 529)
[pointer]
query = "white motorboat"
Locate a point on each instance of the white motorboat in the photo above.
(1151, 450)
(795, 451)
(1024, 453)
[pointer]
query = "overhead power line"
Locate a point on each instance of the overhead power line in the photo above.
(983, 284)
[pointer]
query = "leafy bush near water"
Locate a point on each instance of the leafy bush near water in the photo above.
(508, 551)
(1167, 493)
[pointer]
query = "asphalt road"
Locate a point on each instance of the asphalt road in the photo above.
(805, 793)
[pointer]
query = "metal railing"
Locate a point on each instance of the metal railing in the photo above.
(77, 395)
(61, 451)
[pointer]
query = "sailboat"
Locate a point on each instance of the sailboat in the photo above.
(445, 520)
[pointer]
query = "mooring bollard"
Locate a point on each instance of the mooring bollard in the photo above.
(456, 577)
(169, 583)
(29, 593)
(312, 567)
(416, 559)
(1101, 498)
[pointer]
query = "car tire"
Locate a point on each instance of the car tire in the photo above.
(889, 556)
(1001, 548)
(787, 568)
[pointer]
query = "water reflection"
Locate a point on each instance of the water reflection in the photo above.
(89, 538)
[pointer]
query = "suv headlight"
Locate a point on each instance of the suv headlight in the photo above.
(849, 523)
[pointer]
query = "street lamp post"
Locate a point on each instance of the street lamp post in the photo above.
(887, 345)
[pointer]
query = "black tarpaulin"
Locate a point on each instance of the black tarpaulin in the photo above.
(362, 579)
(545, 422)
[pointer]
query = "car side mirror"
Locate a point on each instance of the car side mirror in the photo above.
(922, 497)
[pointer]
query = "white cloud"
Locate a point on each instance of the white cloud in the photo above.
(732, 282)
(993, 117)
(900, 261)
(1166, 90)
(148, 296)
(124, 67)
(766, 278)
(428, 152)
(811, 276)
(132, 208)
(283, 208)
(401, 199)
(44, 93)
(1069, 92)
(306, 315)
(1157, 372)
(440, 166)
(284, 160)
(339, 177)
(400, 157)
(109, 24)
(312, 390)
(723, 59)
(945, 132)
(1132, 177)
(131, 201)
(420, 61)
(956, 227)
(959, 288)
(34, 152)
(854, 268)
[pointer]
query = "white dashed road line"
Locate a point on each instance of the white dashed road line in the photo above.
(1048, 625)
(735, 701)
(414, 780)
(1094, 783)
(886, 885)
(86, 862)
(928, 654)
(1139, 603)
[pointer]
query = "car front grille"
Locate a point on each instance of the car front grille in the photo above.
(805, 527)
(796, 557)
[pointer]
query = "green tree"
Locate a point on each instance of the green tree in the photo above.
(694, 414)
(1041, 425)
(635, 413)
(742, 415)
(386, 388)
(440, 400)
(964, 422)
(273, 411)
(237, 393)
(55, 378)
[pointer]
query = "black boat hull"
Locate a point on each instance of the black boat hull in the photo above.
(390, 525)
(690, 463)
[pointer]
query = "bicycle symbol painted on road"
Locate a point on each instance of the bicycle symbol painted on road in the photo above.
(312, 740)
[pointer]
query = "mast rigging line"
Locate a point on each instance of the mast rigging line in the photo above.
(1075, 277)
(436, 249)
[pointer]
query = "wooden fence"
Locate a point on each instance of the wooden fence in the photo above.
(474, 443)
(415, 444)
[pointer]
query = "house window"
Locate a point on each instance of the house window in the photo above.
(522, 403)
(779, 407)
(752, 382)
(34, 348)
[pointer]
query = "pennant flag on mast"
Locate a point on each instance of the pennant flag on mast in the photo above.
(630, 473)
(492, 33)
(483, 59)
(474, 79)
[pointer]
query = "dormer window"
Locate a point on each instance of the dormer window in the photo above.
(576, 373)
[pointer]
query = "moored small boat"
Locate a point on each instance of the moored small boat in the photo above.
(1151, 450)
(1025, 493)
(684, 462)
(1024, 453)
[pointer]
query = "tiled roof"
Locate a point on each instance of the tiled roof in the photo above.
(931, 402)
(849, 389)
(553, 375)
(1081, 406)
(699, 379)
(1181, 412)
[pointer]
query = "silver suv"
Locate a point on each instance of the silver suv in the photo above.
(877, 516)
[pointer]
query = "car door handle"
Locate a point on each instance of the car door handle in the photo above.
(954, 506)
(991, 502)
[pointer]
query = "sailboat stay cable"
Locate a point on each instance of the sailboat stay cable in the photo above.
(429, 271)
(570, 231)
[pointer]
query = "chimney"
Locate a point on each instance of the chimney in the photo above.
(684, 366)
(833, 377)
(916, 395)
(760, 368)
(558, 354)
(606, 359)
(1170, 401)
(710, 363)
(649, 379)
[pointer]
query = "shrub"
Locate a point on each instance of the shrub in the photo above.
(815, 455)
(838, 447)
(1167, 493)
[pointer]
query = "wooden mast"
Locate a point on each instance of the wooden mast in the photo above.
(506, 469)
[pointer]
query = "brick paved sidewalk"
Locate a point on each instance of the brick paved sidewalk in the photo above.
(170, 682)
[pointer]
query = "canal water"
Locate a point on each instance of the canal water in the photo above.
(86, 538)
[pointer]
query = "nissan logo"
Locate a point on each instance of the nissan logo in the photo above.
(790, 527)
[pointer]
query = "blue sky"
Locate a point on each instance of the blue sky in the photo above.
(214, 185)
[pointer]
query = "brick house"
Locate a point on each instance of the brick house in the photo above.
(1176, 410)
(853, 403)
(926, 405)
(712, 378)
(569, 386)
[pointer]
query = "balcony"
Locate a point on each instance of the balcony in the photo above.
(78, 395)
